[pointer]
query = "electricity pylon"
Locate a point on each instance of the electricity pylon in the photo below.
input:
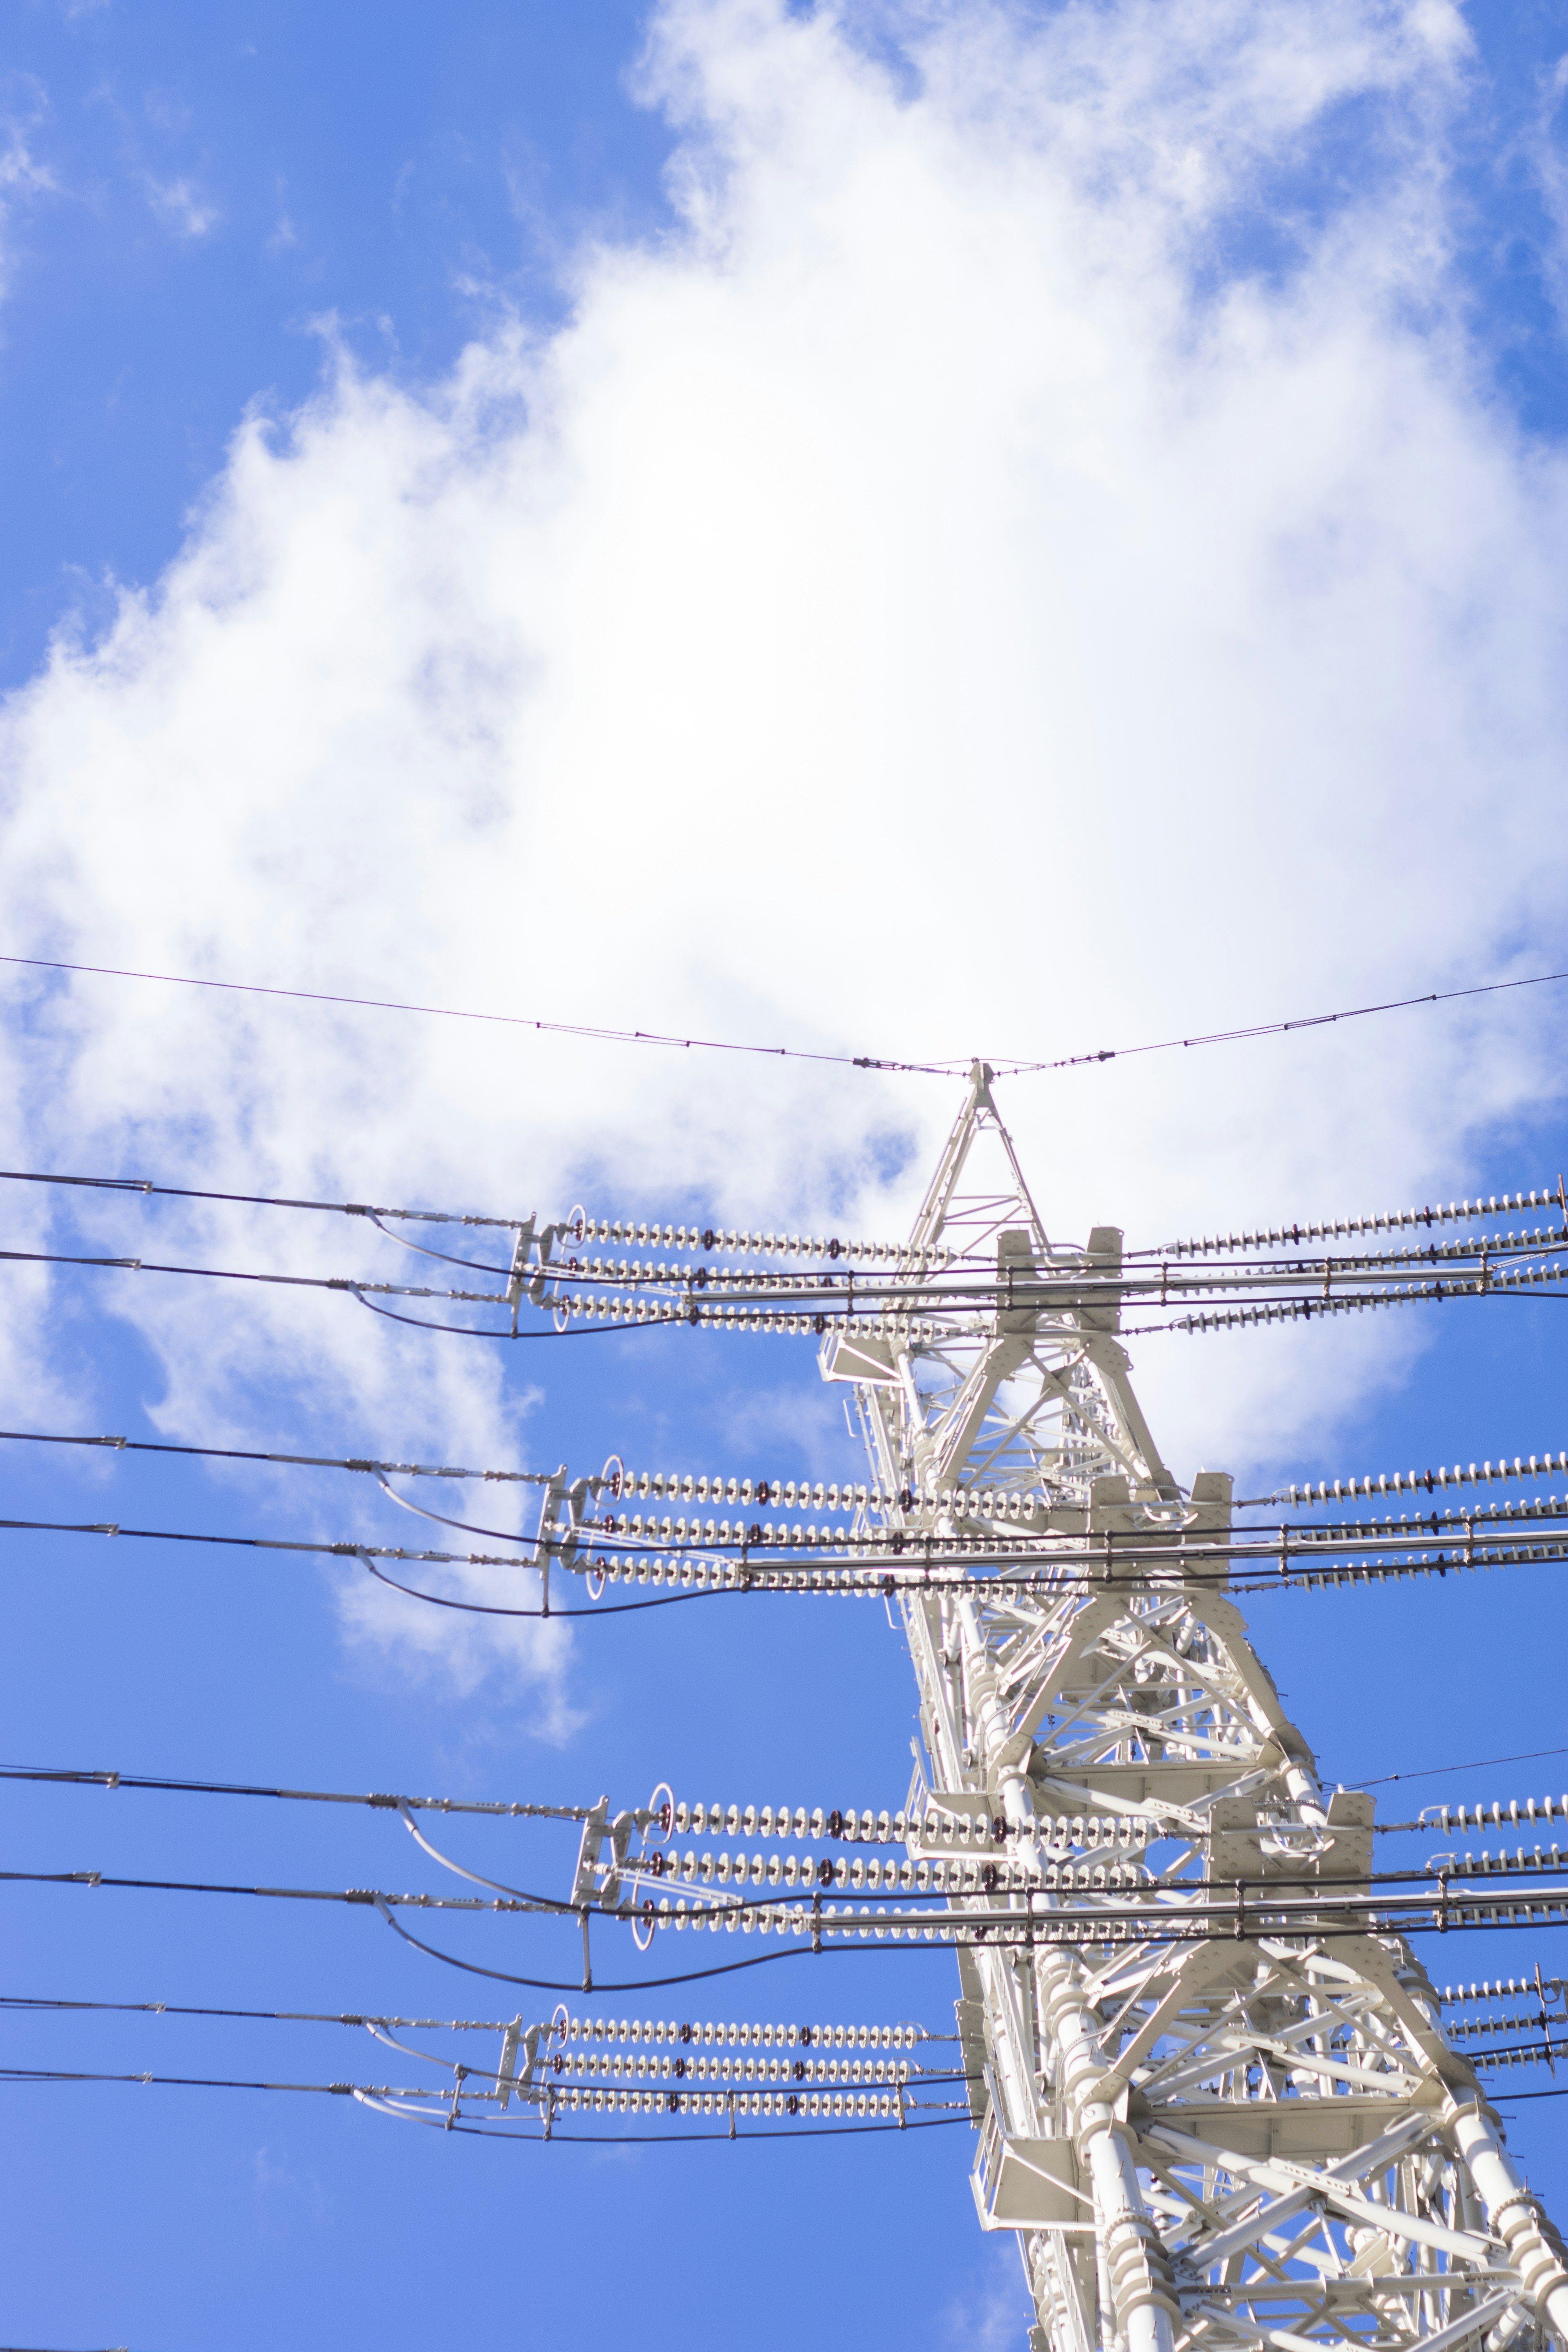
(1258, 2136)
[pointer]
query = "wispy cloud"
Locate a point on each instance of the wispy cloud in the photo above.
(24, 177)
(182, 206)
(994, 2312)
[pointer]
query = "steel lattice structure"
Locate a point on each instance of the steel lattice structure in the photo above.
(1261, 2137)
(1212, 2090)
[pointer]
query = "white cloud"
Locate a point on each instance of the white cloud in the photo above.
(24, 110)
(930, 601)
(181, 206)
(994, 2312)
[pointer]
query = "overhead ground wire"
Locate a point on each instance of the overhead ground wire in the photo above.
(1477, 1764)
(948, 1068)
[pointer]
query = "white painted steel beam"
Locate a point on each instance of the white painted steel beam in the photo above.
(1191, 2100)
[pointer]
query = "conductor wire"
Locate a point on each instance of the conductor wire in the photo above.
(465, 1526)
(300, 1461)
(498, 1809)
(848, 1930)
(1509, 1546)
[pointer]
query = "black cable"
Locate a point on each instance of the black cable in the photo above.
(473, 1331)
(357, 2020)
(1279, 1028)
(639, 1984)
(35, 2001)
(774, 1899)
(260, 1543)
(493, 1609)
(355, 1289)
(202, 2083)
(682, 2139)
(242, 1199)
(83, 1777)
(1156, 1929)
(1438, 1771)
(505, 1020)
(298, 1461)
(947, 1944)
(1491, 1526)
(1459, 1522)
(28, 2074)
(549, 1905)
(1510, 1546)
(1012, 1067)
(684, 1299)
(367, 1554)
(21, 2076)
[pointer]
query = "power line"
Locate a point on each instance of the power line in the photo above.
(504, 1020)
(356, 2018)
(208, 2083)
(625, 1538)
(1465, 1547)
(1274, 1028)
(354, 1288)
(375, 1898)
(1153, 1933)
(850, 1929)
(297, 1461)
(579, 1298)
(1012, 1067)
(1437, 1771)
(367, 2094)
(76, 1777)
(1279, 1881)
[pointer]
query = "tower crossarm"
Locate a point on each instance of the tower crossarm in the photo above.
(1263, 2136)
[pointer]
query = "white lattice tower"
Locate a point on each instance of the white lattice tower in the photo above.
(1249, 2140)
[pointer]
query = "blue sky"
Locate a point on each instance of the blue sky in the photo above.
(936, 531)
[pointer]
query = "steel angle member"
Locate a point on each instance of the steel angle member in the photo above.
(1402, 2129)
(1019, 1295)
(1334, 2183)
(1029, 2184)
(1163, 1788)
(1257, 2132)
(973, 2047)
(1053, 1691)
(845, 1356)
(1242, 1845)
(1360, 1957)
(1469, 2325)
(506, 2081)
(1183, 1976)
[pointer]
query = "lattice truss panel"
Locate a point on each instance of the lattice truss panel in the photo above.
(1244, 2139)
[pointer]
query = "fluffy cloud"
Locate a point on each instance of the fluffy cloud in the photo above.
(1029, 560)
